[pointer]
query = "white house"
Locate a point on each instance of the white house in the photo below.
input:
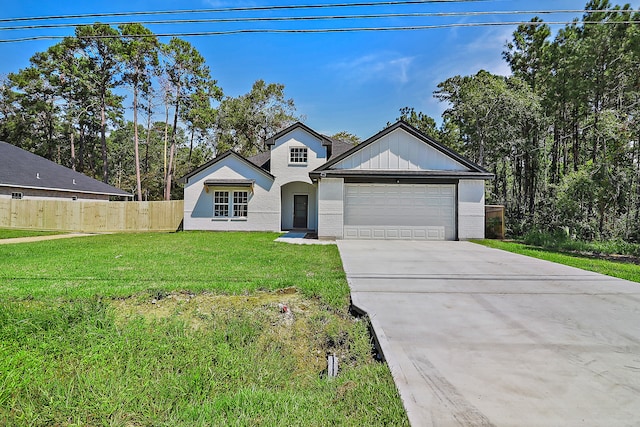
(398, 184)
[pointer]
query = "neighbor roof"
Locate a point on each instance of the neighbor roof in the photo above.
(475, 171)
(23, 169)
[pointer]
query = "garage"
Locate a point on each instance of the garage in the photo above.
(400, 211)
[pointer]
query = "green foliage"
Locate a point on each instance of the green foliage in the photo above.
(561, 135)
(246, 122)
(347, 137)
(66, 107)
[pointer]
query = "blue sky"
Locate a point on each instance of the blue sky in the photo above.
(353, 82)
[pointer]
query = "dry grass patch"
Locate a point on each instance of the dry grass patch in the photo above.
(293, 322)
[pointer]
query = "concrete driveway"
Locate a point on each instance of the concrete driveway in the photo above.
(476, 336)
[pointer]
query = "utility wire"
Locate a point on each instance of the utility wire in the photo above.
(324, 30)
(238, 9)
(320, 17)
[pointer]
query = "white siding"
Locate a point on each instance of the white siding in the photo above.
(293, 178)
(399, 150)
(286, 172)
(263, 207)
(470, 209)
(330, 208)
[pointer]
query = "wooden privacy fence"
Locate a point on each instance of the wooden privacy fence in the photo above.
(494, 221)
(91, 216)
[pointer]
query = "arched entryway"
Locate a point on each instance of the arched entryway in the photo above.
(299, 206)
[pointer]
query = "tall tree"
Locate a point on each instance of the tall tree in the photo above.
(139, 54)
(246, 122)
(102, 45)
(186, 72)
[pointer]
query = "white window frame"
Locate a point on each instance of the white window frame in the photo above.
(240, 204)
(298, 155)
(17, 195)
(230, 204)
(221, 204)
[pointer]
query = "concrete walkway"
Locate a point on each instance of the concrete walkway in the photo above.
(41, 238)
(476, 336)
(298, 238)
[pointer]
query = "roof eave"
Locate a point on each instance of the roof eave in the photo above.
(219, 158)
(66, 190)
(337, 173)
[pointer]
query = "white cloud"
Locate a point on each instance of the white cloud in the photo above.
(378, 66)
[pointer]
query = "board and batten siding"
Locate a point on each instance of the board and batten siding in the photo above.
(263, 206)
(399, 151)
(470, 209)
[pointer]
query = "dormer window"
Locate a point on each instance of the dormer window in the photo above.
(298, 155)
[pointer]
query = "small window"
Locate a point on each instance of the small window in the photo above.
(298, 155)
(240, 203)
(16, 195)
(221, 204)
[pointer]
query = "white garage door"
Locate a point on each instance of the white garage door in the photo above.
(399, 211)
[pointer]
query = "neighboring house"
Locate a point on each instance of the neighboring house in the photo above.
(398, 184)
(24, 175)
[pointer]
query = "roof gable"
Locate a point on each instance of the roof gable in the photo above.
(325, 141)
(401, 148)
(21, 168)
(220, 158)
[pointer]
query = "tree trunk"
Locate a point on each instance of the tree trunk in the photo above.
(135, 141)
(146, 151)
(103, 138)
(173, 146)
(73, 148)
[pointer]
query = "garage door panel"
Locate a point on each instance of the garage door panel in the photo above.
(399, 211)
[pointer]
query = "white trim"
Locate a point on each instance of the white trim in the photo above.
(293, 209)
(65, 190)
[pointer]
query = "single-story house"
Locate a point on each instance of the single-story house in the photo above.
(24, 175)
(398, 184)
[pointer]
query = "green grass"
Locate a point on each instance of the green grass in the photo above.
(7, 233)
(622, 270)
(137, 330)
(120, 265)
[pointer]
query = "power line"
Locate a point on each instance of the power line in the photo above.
(238, 9)
(322, 17)
(325, 30)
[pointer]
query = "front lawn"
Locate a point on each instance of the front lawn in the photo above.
(10, 233)
(622, 270)
(184, 329)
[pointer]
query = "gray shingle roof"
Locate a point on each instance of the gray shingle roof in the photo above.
(20, 168)
(338, 147)
(261, 159)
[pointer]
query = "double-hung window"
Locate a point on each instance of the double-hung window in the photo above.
(240, 203)
(298, 155)
(230, 204)
(220, 204)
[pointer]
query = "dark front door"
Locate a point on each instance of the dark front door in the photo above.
(300, 203)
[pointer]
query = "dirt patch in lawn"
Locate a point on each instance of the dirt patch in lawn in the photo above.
(285, 318)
